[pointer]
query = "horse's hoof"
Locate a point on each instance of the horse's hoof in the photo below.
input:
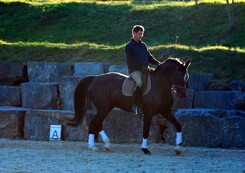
(93, 148)
(177, 150)
(107, 145)
(146, 151)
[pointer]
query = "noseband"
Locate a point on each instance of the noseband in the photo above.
(180, 88)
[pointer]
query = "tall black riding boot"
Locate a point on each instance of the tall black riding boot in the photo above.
(137, 101)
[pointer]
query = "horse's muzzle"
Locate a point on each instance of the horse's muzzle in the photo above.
(181, 94)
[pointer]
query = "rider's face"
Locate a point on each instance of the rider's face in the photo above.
(137, 36)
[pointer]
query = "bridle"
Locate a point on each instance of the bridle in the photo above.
(180, 90)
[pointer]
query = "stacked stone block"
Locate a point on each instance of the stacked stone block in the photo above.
(84, 69)
(12, 122)
(48, 71)
(66, 90)
(210, 128)
(12, 74)
(217, 99)
(10, 96)
(40, 95)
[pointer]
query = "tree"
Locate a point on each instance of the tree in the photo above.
(231, 14)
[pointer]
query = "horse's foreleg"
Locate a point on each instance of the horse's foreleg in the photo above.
(170, 117)
(178, 127)
(146, 130)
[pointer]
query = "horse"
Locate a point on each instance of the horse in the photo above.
(104, 91)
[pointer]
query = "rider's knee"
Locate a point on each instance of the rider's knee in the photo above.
(140, 84)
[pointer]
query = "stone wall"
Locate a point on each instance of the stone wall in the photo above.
(40, 94)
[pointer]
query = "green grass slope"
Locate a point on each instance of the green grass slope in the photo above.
(73, 30)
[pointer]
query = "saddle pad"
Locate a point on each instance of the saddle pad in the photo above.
(129, 85)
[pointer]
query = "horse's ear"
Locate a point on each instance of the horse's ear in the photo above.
(187, 63)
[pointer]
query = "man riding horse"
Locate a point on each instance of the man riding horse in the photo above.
(169, 76)
(138, 58)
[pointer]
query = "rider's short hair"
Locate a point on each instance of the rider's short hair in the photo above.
(137, 28)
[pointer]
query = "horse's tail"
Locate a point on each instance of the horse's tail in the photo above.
(80, 97)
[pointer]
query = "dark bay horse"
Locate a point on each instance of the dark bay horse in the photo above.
(105, 93)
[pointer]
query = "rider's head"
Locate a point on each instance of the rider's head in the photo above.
(138, 32)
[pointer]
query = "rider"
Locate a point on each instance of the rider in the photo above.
(138, 58)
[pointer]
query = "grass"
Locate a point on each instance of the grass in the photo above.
(74, 30)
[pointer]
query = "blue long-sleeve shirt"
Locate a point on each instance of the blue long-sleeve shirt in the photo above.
(138, 56)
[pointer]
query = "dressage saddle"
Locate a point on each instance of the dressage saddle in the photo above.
(129, 84)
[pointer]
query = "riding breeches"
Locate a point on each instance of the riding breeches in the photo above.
(137, 76)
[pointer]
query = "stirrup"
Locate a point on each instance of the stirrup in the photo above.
(137, 110)
(134, 107)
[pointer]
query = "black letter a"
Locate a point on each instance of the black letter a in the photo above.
(55, 135)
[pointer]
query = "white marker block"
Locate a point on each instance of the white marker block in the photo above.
(55, 132)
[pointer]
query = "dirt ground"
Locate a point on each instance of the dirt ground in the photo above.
(19, 156)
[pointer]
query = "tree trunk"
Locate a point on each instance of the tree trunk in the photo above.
(231, 15)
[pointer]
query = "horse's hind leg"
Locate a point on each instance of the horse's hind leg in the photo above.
(96, 126)
(105, 139)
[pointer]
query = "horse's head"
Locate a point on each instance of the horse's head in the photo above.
(177, 75)
(180, 79)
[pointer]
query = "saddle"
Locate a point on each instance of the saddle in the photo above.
(129, 85)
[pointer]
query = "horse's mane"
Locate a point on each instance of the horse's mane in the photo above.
(168, 64)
